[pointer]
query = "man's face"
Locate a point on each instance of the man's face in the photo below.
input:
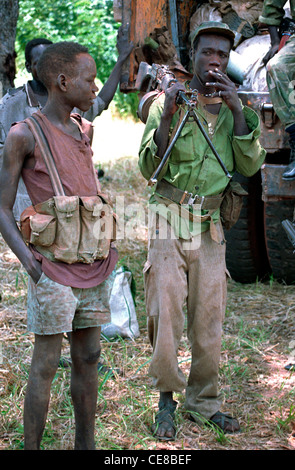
(36, 53)
(212, 52)
(83, 88)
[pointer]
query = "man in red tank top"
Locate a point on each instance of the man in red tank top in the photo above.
(19, 103)
(57, 301)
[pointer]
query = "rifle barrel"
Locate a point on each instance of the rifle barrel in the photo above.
(190, 110)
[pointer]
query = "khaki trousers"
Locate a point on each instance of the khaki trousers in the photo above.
(179, 272)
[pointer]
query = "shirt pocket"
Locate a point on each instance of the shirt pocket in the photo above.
(224, 150)
(185, 147)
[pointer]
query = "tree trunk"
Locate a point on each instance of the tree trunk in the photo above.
(8, 20)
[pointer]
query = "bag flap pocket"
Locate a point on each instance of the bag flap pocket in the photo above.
(92, 204)
(66, 203)
(43, 229)
(39, 222)
(28, 212)
(236, 188)
(25, 222)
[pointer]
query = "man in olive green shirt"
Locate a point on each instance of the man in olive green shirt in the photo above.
(186, 257)
(280, 64)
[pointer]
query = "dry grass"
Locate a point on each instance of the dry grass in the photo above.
(258, 336)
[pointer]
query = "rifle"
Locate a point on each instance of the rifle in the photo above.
(155, 76)
(159, 77)
(191, 104)
(289, 228)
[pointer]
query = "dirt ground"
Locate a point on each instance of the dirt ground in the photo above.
(258, 342)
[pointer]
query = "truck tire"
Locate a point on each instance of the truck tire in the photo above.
(279, 248)
(246, 254)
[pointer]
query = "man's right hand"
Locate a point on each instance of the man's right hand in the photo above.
(35, 271)
(170, 106)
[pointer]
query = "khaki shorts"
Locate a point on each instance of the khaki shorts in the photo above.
(53, 308)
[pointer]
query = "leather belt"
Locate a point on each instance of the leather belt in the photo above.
(178, 196)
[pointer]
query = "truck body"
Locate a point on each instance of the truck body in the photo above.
(257, 246)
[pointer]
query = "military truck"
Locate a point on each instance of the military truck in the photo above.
(257, 246)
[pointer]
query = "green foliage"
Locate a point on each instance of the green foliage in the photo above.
(89, 22)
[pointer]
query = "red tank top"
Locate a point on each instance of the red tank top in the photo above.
(73, 159)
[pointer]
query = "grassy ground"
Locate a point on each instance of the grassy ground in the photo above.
(258, 339)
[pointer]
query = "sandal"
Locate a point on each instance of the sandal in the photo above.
(225, 422)
(165, 420)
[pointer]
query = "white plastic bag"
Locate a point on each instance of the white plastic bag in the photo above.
(123, 315)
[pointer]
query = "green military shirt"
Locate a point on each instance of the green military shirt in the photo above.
(273, 11)
(192, 165)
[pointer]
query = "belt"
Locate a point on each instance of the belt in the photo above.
(178, 196)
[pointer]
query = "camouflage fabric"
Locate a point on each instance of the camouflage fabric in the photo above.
(281, 81)
(54, 308)
(273, 11)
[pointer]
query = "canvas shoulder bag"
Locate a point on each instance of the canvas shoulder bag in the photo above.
(71, 229)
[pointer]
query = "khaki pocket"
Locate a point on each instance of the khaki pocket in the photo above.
(232, 204)
(46, 208)
(25, 222)
(67, 238)
(95, 235)
(43, 229)
(70, 229)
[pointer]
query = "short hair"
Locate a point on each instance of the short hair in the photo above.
(33, 43)
(58, 58)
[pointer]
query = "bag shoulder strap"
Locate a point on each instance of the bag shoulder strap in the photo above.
(42, 142)
(93, 168)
